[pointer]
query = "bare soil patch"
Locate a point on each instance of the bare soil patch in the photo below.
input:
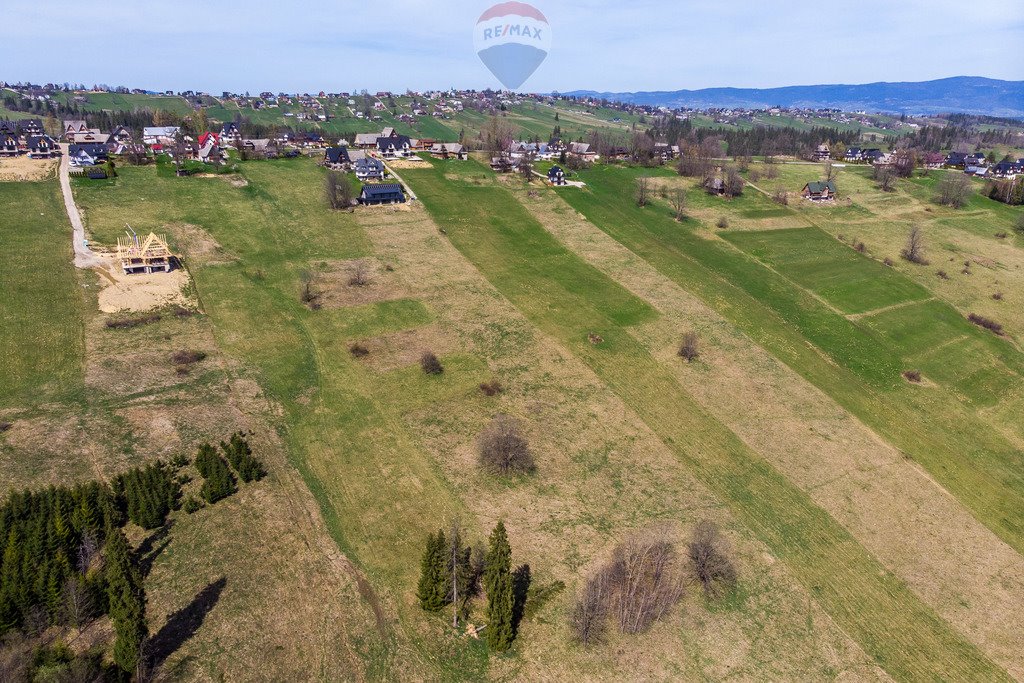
(139, 292)
(23, 168)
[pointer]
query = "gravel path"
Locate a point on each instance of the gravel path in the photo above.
(84, 258)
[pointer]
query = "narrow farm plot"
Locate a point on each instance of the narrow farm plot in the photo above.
(570, 300)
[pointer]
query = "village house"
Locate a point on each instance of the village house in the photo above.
(260, 147)
(385, 193)
(976, 159)
(582, 150)
(556, 176)
(956, 159)
(208, 150)
(448, 150)
(933, 160)
(9, 145)
(819, 191)
(367, 140)
(854, 154)
(29, 127)
(337, 158)
(230, 134)
(8, 127)
(121, 135)
(822, 152)
(91, 136)
(159, 135)
(42, 147)
(874, 156)
(88, 154)
(369, 168)
(394, 147)
(71, 127)
(1008, 169)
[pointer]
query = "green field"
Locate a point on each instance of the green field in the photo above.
(42, 302)
(568, 299)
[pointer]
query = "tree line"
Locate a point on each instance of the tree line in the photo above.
(65, 559)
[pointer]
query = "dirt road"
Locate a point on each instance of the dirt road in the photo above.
(84, 258)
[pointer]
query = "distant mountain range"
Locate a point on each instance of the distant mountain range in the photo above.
(960, 94)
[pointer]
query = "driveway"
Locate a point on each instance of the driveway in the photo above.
(84, 258)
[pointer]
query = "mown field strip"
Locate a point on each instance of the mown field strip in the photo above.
(888, 503)
(850, 362)
(568, 299)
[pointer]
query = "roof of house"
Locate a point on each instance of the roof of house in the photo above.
(956, 158)
(91, 148)
(30, 124)
(336, 155)
(367, 163)
(229, 128)
(98, 138)
(555, 170)
(382, 190)
(74, 125)
(367, 138)
(8, 127)
(819, 186)
(34, 141)
(160, 131)
(394, 141)
(450, 147)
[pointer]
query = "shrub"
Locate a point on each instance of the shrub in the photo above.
(191, 505)
(781, 197)
(997, 296)
(888, 261)
(4, 426)
(709, 556)
(942, 274)
(360, 275)
(129, 322)
(430, 364)
(912, 376)
(358, 350)
(239, 454)
(688, 349)
(491, 388)
(722, 223)
(860, 246)
(503, 449)
(988, 324)
(187, 357)
(641, 582)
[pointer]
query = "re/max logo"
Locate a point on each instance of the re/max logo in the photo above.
(512, 30)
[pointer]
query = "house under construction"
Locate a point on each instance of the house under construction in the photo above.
(143, 255)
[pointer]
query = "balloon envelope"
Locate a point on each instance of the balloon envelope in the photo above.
(512, 39)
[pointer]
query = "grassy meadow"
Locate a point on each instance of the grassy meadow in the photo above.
(848, 495)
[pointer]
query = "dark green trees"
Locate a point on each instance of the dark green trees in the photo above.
(239, 454)
(500, 594)
(127, 601)
(218, 481)
(433, 587)
(148, 494)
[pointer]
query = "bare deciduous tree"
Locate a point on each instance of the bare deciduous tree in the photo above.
(677, 198)
(589, 616)
(689, 348)
(954, 190)
(643, 190)
(830, 171)
(885, 177)
(709, 555)
(503, 448)
(77, 608)
(430, 363)
(360, 274)
(337, 190)
(914, 251)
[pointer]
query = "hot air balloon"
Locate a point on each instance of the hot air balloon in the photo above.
(512, 39)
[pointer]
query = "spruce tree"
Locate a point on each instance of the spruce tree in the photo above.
(127, 599)
(500, 596)
(433, 587)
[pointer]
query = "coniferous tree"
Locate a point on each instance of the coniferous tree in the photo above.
(433, 588)
(239, 454)
(218, 481)
(127, 602)
(500, 594)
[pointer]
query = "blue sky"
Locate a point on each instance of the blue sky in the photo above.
(309, 45)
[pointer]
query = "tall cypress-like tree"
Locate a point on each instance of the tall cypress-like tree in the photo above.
(127, 599)
(433, 587)
(500, 595)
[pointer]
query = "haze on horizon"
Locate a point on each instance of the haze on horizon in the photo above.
(598, 44)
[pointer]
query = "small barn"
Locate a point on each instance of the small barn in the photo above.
(384, 193)
(819, 191)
